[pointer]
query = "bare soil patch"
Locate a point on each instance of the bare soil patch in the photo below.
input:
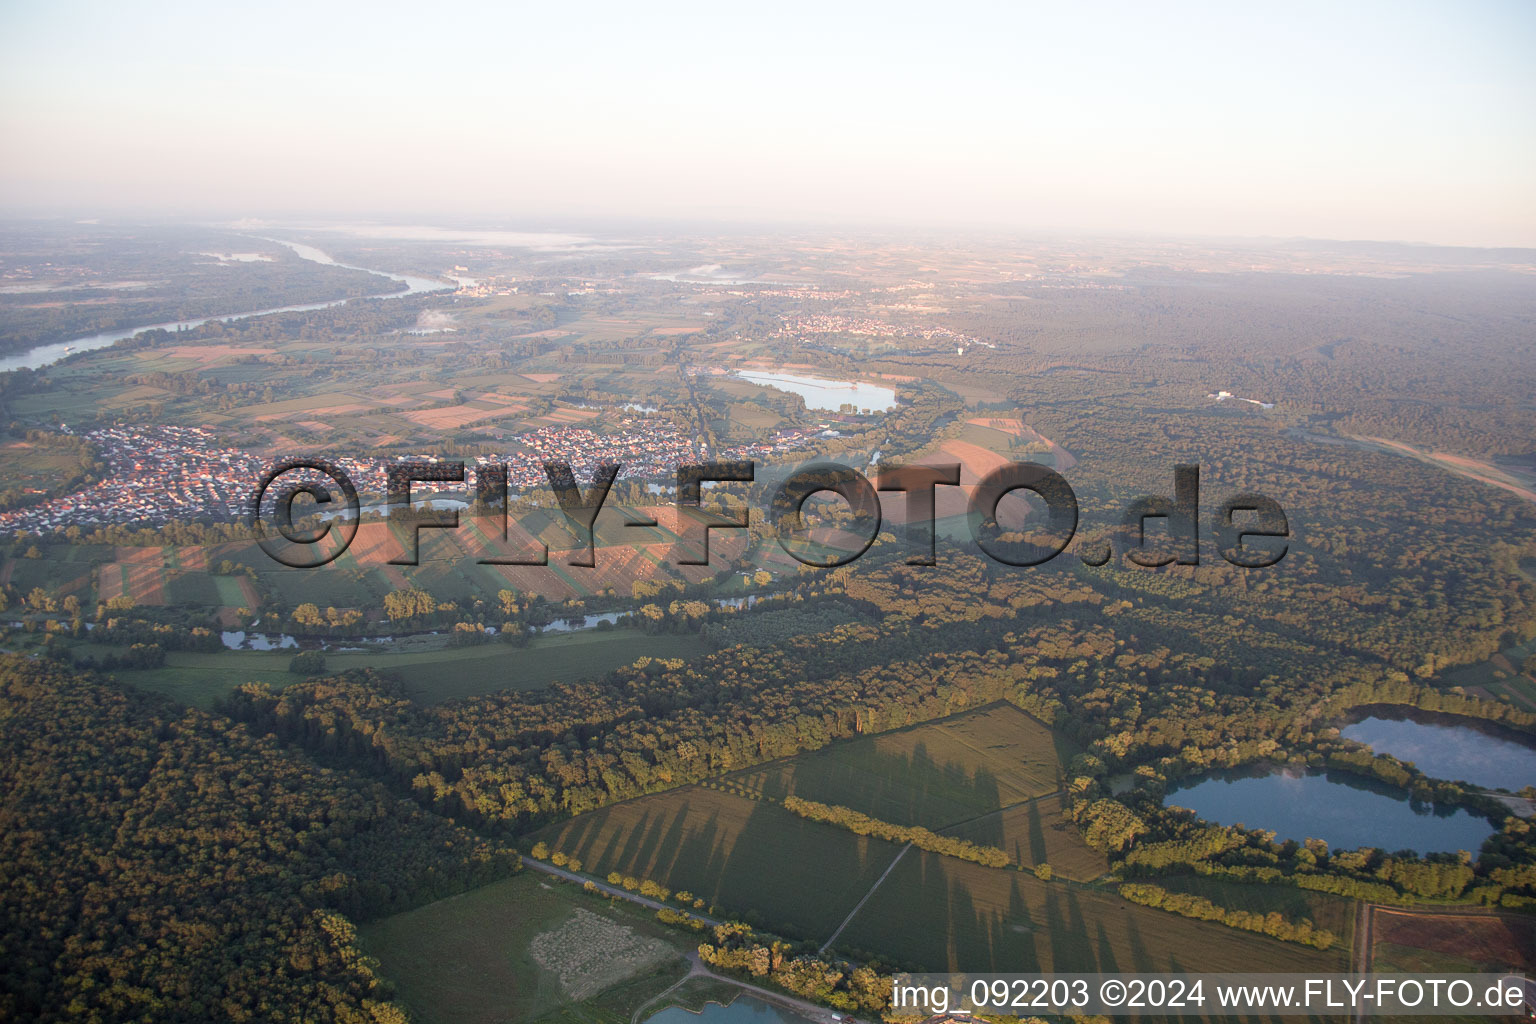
(589, 953)
(1494, 942)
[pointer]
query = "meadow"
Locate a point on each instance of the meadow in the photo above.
(1325, 910)
(466, 959)
(429, 676)
(935, 775)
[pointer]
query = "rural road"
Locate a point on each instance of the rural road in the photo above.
(1364, 922)
(696, 968)
(609, 890)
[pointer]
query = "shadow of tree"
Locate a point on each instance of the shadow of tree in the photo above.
(902, 788)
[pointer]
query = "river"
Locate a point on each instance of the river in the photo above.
(45, 355)
(242, 640)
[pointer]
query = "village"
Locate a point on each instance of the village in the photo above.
(162, 474)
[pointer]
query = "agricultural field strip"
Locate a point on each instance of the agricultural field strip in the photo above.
(951, 914)
(860, 905)
(849, 761)
(1000, 810)
(938, 831)
(731, 870)
(1367, 940)
(946, 728)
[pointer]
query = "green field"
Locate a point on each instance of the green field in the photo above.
(752, 859)
(934, 775)
(1500, 676)
(429, 676)
(557, 657)
(466, 959)
(26, 466)
(199, 679)
(940, 914)
(1036, 832)
(1335, 913)
(57, 575)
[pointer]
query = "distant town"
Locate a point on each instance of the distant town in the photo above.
(167, 473)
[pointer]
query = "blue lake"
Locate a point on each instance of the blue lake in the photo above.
(827, 395)
(1443, 750)
(1344, 811)
(744, 1009)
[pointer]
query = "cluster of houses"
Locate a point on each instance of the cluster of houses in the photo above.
(830, 323)
(162, 474)
(155, 475)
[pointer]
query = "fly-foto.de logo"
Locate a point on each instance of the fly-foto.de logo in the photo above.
(1249, 528)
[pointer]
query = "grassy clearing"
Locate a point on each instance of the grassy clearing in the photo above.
(57, 576)
(1500, 675)
(932, 775)
(943, 914)
(183, 679)
(466, 959)
(26, 466)
(429, 676)
(752, 859)
(559, 657)
(1335, 913)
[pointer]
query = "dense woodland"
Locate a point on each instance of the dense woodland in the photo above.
(164, 864)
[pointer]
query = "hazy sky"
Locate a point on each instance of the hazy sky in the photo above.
(1390, 120)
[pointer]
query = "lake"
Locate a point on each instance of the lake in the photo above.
(827, 395)
(744, 1009)
(1442, 749)
(1346, 811)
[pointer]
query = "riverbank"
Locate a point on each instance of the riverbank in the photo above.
(40, 356)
